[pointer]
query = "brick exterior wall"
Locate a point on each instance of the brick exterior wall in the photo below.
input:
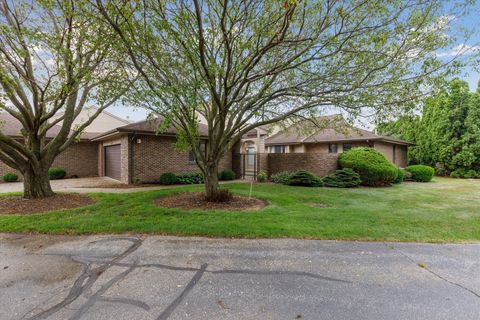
(80, 159)
(321, 164)
(387, 150)
(155, 155)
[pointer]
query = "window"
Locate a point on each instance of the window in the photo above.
(191, 155)
(394, 154)
(332, 148)
(347, 146)
(279, 149)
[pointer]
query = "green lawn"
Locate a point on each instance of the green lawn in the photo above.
(445, 210)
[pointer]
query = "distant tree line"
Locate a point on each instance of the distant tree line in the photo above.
(446, 133)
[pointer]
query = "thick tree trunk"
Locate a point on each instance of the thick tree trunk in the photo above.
(36, 184)
(211, 181)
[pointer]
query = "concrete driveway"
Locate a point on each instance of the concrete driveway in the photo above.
(129, 277)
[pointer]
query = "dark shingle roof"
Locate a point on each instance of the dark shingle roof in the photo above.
(331, 133)
(150, 126)
(10, 126)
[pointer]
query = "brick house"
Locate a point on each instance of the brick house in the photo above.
(113, 147)
(316, 151)
(134, 152)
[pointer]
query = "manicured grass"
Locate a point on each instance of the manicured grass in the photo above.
(445, 210)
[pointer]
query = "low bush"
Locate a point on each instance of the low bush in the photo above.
(372, 166)
(400, 176)
(262, 176)
(459, 173)
(281, 177)
(471, 174)
(190, 178)
(343, 178)
(222, 195)
(10, 177)
(421, 173)
(227, 175)
(57, 173)
(168, 178)
(305, 179)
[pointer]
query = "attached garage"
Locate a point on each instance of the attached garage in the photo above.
(113, 167)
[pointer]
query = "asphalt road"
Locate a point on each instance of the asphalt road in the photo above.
(153, 277)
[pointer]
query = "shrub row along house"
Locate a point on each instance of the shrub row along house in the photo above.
(134, 152)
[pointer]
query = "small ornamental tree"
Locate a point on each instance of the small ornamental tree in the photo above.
(242, 64)
(54, 62)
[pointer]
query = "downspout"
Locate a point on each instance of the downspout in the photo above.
(131, 167)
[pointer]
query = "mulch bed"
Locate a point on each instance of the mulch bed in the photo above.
(19, 205)
(196, 200)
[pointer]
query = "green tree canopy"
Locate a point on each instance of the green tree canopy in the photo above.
(242, 64)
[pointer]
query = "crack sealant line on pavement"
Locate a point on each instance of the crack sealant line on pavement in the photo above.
(433, 272)
(87, 278)
(171, 308)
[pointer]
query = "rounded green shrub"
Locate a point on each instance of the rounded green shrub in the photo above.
(421, 173)
(281, 177)
(400, 176)
(10, 177)
(262, 176)
(343, 178)
(372, 166)
(57, 173)
(458, 173)
(305, 179)
(168, 178)
(226, 175)
(471, 174)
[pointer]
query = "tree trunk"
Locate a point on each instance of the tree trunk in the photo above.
(211, 181)
(36, 184)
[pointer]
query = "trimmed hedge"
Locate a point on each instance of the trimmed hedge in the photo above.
(168, 178)
(227, 175)
(421, 173)
(372, 166)
(343, 178)
(10, 177)
(190, 178)
(305, 179)
(57, 173)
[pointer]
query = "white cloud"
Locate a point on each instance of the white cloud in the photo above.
(461, 49)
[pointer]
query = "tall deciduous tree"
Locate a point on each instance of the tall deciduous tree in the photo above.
(242, 64)
(54, 62)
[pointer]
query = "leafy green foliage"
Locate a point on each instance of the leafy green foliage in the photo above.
(400, 176)
(343, 178)
(447, 135)
(191, 178)
(274, 59)
(10, 177)
(462, 173)
(262, 176)
(281, 177)
(305, 179)
(227, 175)
(372, 166)
(421, 173)
(56, 173)
(168, 178)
